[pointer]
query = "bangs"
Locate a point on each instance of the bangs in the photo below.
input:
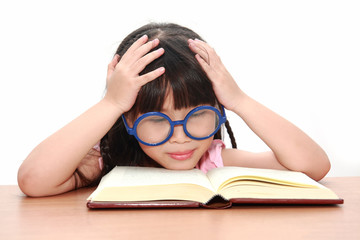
(183, 77)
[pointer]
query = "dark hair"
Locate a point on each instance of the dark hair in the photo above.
(183, 77)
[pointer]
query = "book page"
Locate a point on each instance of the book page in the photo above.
(144, 176)
(221, 176)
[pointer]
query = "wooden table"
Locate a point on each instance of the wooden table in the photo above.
(66, 217)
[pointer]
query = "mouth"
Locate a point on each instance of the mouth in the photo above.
(181, 156)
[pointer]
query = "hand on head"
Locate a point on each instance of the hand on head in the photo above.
(226, 89)
(123, 79)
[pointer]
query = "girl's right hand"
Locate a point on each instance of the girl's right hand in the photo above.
(123, 80)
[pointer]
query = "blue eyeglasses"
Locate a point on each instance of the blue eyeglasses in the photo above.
(155, 128)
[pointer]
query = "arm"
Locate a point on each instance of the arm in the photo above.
(291, 148)
(49, 168)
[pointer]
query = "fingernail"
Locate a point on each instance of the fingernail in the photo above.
(162, 69)
(156, 41)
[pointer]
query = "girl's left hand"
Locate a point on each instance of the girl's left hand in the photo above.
(225, 87)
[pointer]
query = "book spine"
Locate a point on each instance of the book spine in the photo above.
(286, 201)
(143, 204)
(217, 201)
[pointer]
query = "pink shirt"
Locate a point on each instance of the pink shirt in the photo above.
(211, 158)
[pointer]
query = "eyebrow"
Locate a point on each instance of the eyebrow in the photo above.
(167, 111)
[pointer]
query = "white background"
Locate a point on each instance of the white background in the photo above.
(299, 58)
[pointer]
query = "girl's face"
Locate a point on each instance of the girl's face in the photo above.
(180, 152)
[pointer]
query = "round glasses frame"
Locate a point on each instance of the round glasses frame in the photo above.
(132, 131)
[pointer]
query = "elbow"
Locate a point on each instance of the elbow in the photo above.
(324, 169)
(26, 183)
(30, 183)
(35, 182)
(322, 173)
(319, 167)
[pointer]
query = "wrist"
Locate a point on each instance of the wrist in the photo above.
(239, 102)
(111, 107)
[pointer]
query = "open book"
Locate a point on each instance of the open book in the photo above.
(133, 187)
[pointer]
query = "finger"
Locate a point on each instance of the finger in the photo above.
(199, 49)
(131, 57)
(203, 63)
(145, 48)
(193, 47)
(212, 57)
(137, 44)
(202, 43)
(148, 58)
(114, 62)
(148, 77)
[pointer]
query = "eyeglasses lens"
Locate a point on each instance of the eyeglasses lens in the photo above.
(155, 129)
(202, 123)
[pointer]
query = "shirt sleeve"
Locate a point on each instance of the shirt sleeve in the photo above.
(212, 157)
(97, 148)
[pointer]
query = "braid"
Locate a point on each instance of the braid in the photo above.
(118, 148)
(81, 180)
(105, 154)
(231, 134)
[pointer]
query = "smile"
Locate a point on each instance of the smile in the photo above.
(181, 156)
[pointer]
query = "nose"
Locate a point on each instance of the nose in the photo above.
(179, 136)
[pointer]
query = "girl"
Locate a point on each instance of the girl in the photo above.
(166, 94)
